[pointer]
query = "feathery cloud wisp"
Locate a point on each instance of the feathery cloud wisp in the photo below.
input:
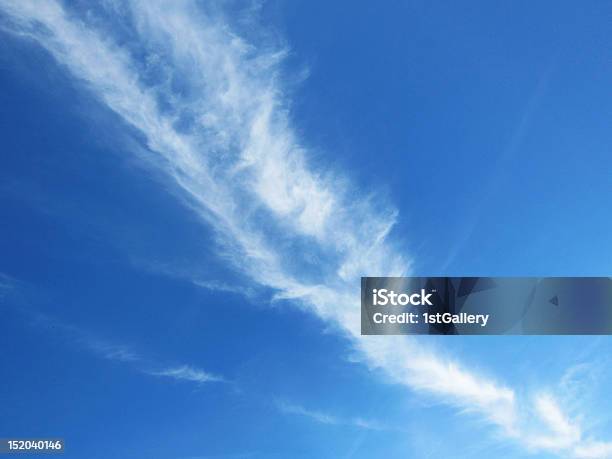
(226, 143)
(325, 418)
(187, 373)
(119, 352)
(7, 284)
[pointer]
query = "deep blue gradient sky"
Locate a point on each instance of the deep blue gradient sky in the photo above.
(486, 125)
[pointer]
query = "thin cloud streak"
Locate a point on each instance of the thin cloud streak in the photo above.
(325, 418)
(218, 286)
(187, 373)
(119, 352)
(225, 141)
(7, 285)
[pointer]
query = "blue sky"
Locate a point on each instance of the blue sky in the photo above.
(190, 193)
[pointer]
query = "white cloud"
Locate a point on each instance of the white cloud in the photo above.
(226, 143)
(325, 418)
(120, 352)
(562, 431)
(220, 286)
(187, 373)
(7, 284)
(109, 351)
(593, 450)
(291, 408)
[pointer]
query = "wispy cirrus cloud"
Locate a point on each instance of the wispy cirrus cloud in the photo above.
(7, 284)
(593, 450)
(214, 117)
(124, 354)
(109, 351)
(187, 373)
(120, 353)
(329, 419)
